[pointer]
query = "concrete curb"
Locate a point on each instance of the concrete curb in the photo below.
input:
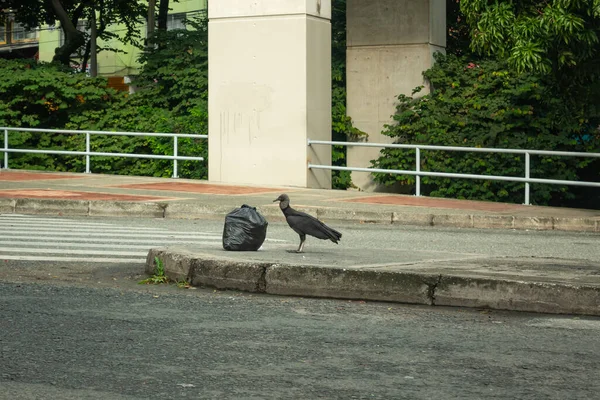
(198, 211)
(392, 286)
(504, 294)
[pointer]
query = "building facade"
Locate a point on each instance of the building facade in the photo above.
(121, 66)
(16, 41)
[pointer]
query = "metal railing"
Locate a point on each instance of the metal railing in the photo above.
(418, 173)
(87, 153)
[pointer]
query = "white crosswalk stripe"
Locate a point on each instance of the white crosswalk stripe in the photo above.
(33, 238)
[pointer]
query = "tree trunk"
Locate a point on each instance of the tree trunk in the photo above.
(86, 55)
(93, 47)
(151, 17)
(163, 11)
(73, 38)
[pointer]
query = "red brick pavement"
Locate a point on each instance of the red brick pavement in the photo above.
(74, 195)
(32, 176)
(204, 188)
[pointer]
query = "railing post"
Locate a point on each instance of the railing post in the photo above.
(87, 150)
(418, 169)
(6, 148)
(527, 165)
(175, 159)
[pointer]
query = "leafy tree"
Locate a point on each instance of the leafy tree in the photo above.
(163, 12)
(544, 36)
(175, 75)
(458, 40)
(109, 12)
(33, 13)
(487, 104)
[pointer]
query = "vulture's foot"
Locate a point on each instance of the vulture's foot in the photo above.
(294, 251)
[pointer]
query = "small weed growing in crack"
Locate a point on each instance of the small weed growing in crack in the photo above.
(159, 274)
(184, 285)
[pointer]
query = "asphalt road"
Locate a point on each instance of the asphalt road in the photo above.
(487, 242)
(84, 342)
(360, 242)
(89, 331)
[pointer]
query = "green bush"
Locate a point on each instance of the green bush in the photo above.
(484, 104)
(47, 95)
(171, 96)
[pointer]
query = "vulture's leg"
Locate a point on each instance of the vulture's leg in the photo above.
(302, 239)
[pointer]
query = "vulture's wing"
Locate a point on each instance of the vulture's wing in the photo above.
(309, 225)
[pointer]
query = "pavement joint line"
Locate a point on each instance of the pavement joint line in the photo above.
(409, 263)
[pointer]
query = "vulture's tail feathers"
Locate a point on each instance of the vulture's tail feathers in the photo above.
(332, 234)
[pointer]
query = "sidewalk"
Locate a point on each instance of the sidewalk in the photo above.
(111, 195)
(539, 285)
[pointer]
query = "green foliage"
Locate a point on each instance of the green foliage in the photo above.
(537, 35)
(458, 33)
(341, 124)
(159, 274)
(171, 96)
(184, 284)
(489, 105)
(175, 72)
(47, 96)
(34, 13)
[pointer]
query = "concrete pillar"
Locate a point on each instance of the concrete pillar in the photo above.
(390, 43)
(269, 91)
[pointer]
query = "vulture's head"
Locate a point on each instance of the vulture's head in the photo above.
(284, 201)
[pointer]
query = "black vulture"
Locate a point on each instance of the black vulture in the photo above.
(304, 224)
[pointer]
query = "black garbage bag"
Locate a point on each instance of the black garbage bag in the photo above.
(245, 229)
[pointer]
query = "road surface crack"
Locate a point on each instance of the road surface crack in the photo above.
(431, 287)
(163, 207)
(261, 283)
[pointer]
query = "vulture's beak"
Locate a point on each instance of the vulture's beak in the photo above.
(277, 199)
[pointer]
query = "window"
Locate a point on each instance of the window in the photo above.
(175, 21)
(2, 34)
(20, 34)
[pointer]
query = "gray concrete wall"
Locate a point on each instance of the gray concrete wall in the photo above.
(269, 91)
(390, 43)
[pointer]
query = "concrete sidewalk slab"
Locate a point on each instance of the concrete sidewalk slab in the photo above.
(516, 284)
(437, 203)
(184, 198)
